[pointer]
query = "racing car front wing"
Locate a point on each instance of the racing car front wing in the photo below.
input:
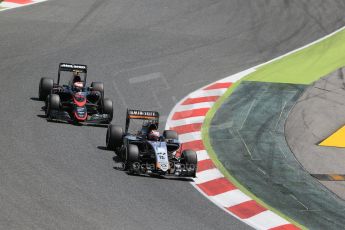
(65, 116)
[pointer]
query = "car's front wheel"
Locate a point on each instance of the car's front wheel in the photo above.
(132, 158)
(114, 137)
(53, 103)
(107, 108)
(45, 87)
(190, 160)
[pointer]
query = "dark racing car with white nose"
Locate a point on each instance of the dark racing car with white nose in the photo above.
(145, 151)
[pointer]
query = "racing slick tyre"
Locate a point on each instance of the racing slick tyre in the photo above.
(107, 108)
(45, 87)
(132, 153)
(132, 158)
(190, 159)
(98, 86)
(114, 137)
(170, 134)
(53, 103)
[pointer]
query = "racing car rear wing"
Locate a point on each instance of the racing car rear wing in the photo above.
(70, 68)
(141, 115)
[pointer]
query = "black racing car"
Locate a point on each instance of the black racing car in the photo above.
(146, 152)
(74, 101)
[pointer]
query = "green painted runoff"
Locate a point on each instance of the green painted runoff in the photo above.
(307, 65)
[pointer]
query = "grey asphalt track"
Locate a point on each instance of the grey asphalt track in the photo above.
(150, 54)
(317, 115)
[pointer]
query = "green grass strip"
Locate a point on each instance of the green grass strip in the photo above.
(306, 65)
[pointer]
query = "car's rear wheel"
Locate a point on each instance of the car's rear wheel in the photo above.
(114, 137)
(98, 86)
(107, 108)
(45, 87)
(170, 134)
(190, 160)
(53, 103)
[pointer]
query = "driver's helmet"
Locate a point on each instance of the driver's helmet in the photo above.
(76, 76)
(151, 126)
(78, 86)
(153, 135)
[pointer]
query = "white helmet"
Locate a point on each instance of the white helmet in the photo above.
(153, 135)
(78, 84)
